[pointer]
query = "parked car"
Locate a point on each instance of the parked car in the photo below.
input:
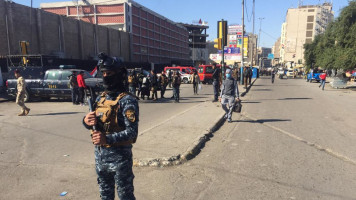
(51, 83)
(188, 70)
(185, 77)
(290, 73)
(313, 76)
(205, 73)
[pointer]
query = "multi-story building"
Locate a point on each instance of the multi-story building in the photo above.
(154, 38)
(197, 43)
(252, 49)
(302, 24)
(263, 57)
(275, 51)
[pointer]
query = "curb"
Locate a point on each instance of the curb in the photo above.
(192, 151)
(248, 88)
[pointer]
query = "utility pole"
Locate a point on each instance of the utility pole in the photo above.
(193, 49)
(253, 34)
(259, 34)
(242, 47)
(30, 42)
(223, 49)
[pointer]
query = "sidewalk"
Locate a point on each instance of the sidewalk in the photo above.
(180, 137)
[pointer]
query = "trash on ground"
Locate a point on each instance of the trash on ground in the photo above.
(63, 193)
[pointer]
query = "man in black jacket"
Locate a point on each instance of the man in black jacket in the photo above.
(216, 82)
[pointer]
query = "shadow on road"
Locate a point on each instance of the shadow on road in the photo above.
(301, 98)
(63, 113)
(197, 97)
(261, 121)
(250, 102)
(261, 90)
(191, 101)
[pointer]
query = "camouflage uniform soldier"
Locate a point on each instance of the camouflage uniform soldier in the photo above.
(21, 92)
(116, 119)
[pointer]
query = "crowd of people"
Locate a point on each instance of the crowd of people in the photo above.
(148, 86)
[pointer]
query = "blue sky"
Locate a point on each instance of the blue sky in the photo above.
(187, 11)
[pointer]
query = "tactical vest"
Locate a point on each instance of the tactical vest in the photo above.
(164, 80)
(107, 111)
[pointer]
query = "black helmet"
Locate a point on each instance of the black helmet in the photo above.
(118, 81)
(108, 63)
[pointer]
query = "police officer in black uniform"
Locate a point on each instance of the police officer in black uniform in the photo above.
(115, 118)
(216, 82)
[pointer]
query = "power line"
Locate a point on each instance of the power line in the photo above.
(248, 18)
(269, 35)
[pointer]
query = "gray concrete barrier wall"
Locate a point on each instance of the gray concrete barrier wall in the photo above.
(52, 34)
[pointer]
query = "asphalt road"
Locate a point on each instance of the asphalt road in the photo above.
(292, 141)
(49, 151)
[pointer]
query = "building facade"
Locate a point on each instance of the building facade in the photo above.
(302, 24)
(263, 60)
(276, 50)
(197, 43)
(154, 38)
(252, 49)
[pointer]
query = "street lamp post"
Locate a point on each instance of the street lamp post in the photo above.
(259, 34)
(193, 50)
(242, 42)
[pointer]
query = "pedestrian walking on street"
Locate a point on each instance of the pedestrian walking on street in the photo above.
(154, 85)
(195, 80)
(229, 91)
(273, 74)
(246, 75)
(250, 73)
(170, 78)
(73, 84)
(322, 77)
(115, 117)
(176, 81)
(81, 87)
(145, 88)
(236, 74)
(131, 79)
(216, 82)
(139, 79)
(163, 81)
(21, 93)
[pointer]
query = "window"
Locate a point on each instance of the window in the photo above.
(65, 75)
(200, 70)
(209, 70)
(87, 75)
(53, 75)
(311, 10)
(310, 18)
(310, 26)
(309, 33)
(308, 40)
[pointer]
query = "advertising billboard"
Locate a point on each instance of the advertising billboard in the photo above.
(234, 29)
